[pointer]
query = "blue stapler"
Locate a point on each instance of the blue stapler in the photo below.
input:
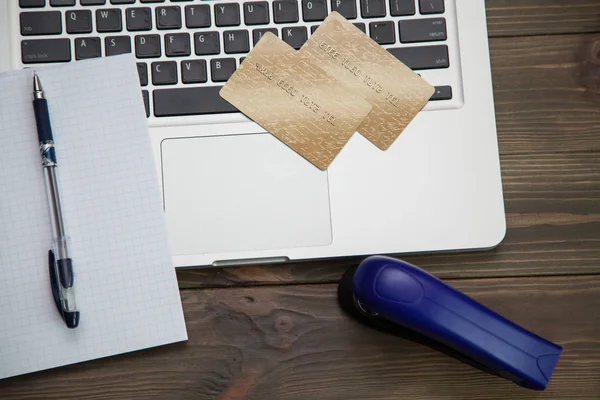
(402, 299)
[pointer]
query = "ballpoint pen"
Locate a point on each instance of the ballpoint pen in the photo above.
(59, 262)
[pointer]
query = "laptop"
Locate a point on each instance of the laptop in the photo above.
(233, 193)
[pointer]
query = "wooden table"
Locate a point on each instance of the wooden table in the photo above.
(276, 332)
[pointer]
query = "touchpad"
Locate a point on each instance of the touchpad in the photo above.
(242, 192)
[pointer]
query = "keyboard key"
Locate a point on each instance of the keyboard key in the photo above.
(285, 11)
(207, 43)
(372, 8)
(197, 16)
(147, 46)
(168, 17)
(258, 33)
(383, 32)
(31, 3)
(431, 6)
(152, 1)
(256, 13)
(79, 21)
(314, 28)
(146, 97)
(45, 51)
(88, 47)
(236, 41)
(177, 44)
(139, 19)
(122, 1)
(402, 7)
(114, 45)
(222, 68)
(164, 73)
(361, 26)
(426, 57)
(41, 23)
(442, 93)
(110, 20)
(143, 73)
(295, 36)
(92, 2)
(344, 7)
(190, 101)
(314, 10)
(193, 71)
(62, 3)
(227, 14)
(422, 30)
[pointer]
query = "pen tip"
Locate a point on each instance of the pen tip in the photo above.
(37, 85)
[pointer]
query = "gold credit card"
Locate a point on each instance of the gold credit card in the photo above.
(395, 92)
(295, 100)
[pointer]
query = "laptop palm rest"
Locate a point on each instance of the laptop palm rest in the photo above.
(225, 194)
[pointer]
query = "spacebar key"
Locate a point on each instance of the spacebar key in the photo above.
(190, 101)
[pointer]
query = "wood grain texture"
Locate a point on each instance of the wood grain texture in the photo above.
(295, 343)
(542, 17)
(541, 104)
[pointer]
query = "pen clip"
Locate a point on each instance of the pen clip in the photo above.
(71, 318)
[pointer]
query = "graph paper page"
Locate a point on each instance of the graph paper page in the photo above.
(125, 283)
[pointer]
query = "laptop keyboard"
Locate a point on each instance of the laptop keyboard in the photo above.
(187, 49)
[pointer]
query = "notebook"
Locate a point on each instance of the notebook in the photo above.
(125, 283)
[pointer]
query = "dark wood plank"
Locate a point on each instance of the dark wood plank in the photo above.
(294, 343)
(542, 17)
(541, 104)
(553, 218)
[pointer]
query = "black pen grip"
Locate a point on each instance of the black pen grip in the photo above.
(65, 272)
(42, 120)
